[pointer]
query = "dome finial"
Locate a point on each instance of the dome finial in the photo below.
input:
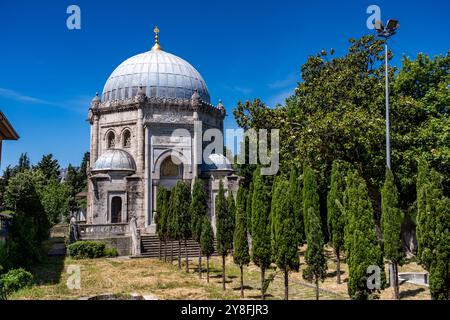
(156, 46)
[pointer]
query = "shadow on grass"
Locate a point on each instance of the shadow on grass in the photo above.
(334, 274)
(410, 293)
(49, 270)
(267, 295)
(245, 288)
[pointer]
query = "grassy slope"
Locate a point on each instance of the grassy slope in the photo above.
(165, 281)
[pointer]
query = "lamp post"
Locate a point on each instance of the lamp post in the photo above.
(386, 32)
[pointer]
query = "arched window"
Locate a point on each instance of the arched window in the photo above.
(111, 140)
(116, 210)
(170, 169)
(126, 139)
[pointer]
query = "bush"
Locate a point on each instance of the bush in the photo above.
(110, 252)
(14, 280)
(86, 249)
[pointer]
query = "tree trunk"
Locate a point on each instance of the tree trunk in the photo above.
(187, 256)
(171, 251)
(395, 278)
(263, 295)
(160, 250)
(317, 289)
(207, 269)
(199, 264)
(165, 251)
(286, 284)
(242, 281)
(338, 266)
(179, 254)
(223, 272)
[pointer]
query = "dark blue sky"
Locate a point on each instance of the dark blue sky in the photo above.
(243, 49)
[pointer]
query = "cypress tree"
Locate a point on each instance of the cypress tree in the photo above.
(183, 218)
(285, 232)
(296, 195)
(231, 209)
(248, 209)
(199, 212)
(224, 228)
(336, 219)
(172, 231)
(241, 254)
(165, 221)
(261, 248)
(161, 218)
(207, 243)
(310, 195)
(362, 245)
(433, 221)
(391, 221)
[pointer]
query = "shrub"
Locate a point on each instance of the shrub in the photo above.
(110, 252)
(14, 280)
(86, 249)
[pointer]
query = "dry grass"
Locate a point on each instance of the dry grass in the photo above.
(165, 281)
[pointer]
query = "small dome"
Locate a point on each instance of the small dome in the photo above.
(159, 73)
(218, 162)
(115, 160)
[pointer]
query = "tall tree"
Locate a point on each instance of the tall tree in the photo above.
(161, 217)
(261, 248)
(24, 163)
(207, 243)
(310, 194)
(336, 219)
(172, 231)
(391, 221)
(285, 235)
(49, 167)
(231, 208)
(199, 212)
(248, 209)
(241, 254)
(224, 228)
(296, 195)
(182, 218)
(55, 200)
(362, 245)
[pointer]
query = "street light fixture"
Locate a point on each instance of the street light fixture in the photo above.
(386, 32)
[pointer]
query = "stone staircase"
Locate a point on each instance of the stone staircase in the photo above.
(150, 247)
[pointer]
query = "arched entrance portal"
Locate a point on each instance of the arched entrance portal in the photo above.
(116, 210)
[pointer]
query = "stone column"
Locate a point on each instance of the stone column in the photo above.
(147, 179)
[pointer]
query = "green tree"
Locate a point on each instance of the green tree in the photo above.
(224, 228)
(296, 195)
(285, 237)
(391, 221)
(24, 163)
(248, 209)
(182, 218)
(231, 208)
(241, 254)
(336, 219)
(207, 243)
(49, 167)
(199, 212)
(310, 195)
(362, 245)
(172, 231)
(161, 217)
(55, 200)
(261, 232)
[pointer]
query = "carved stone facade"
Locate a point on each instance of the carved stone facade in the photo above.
(135, 149)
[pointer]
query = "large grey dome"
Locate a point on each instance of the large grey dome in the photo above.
(217, 162)
(115, 160)
(160, 73)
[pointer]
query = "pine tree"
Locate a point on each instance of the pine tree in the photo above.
(296, 195)
(164, 228)
(391, 221)
(241, 254)
(310, 194)
(198, 212)
(248, 209)
(224, 228)
(336, 219)
(161, 218)
(172, 231)
(49, 167)
(285, 237)
(231, 209)
(361, 242)
(207, 243)
(261, 248)
(24, 163)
